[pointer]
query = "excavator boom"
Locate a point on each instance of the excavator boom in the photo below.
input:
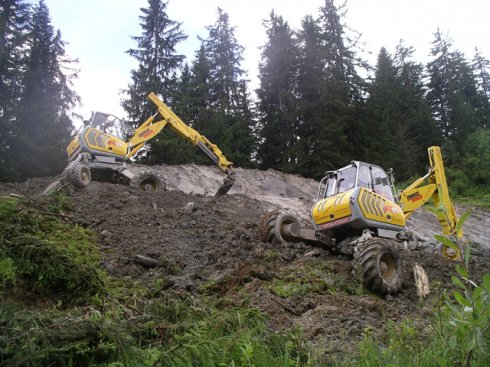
(432, 186)
(151, 128)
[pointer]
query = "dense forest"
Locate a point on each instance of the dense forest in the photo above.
(319, 105)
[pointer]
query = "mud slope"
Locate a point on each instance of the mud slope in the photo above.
(295, 193)
(186, 239)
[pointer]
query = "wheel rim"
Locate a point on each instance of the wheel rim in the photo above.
(148, 185)
(450, 253)
(388, 267)
(85, 176)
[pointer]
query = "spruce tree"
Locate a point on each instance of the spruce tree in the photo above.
(43, 124)
(383, 130)
(277, 105)
(14, 21)
(158, 63)
(399, 126)
(342, 131)
(453, 94)
(481, 69)
(311, 96)
(229, 122)
(422, 130)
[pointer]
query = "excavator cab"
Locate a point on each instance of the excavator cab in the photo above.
(109, 124)
(357, 174)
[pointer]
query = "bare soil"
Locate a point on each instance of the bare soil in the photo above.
(198, 243)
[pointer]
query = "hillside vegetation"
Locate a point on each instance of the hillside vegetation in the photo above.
(75, 291)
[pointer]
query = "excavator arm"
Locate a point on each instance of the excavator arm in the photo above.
(432, 186)
(150, 128)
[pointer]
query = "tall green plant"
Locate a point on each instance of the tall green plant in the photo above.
(468, 332)
(458, 335)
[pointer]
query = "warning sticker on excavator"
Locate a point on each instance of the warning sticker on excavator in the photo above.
(145, 133)
(335, 223)
(115, 143)
(414, 197)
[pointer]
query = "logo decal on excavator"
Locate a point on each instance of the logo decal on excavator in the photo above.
(414, 197)
(115, 143)
(391, 209)
(146, 133)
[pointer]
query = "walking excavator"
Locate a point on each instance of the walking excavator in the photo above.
(98, 150)
(358, 213)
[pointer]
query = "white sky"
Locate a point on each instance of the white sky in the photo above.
(98, 32)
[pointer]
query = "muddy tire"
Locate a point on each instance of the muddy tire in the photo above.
(380, 266)
(79, 175)
(271, 227)
(145, 181)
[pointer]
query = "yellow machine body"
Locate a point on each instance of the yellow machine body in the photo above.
(362, 196)
(357, 208)
(97, 142)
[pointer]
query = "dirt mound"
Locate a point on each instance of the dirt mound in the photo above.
(187, 240)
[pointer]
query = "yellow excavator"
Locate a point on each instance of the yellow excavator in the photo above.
(99, 151)
(359, 213)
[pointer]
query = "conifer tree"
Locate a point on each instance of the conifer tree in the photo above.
(277, 104)
(399, 126)
(342, 131)
(43, 124)
(157, 59)
(158, 63)
(383, 114)
(422, 131)
(311, 96)
(229, 122)
(453, 94)
(14, 21)
(481, 69)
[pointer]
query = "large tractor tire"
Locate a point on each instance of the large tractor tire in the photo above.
(79, 175)
(379, 263)
(272, 227)
(145, 181)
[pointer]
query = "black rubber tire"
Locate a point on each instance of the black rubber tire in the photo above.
(79, 175)
(379, 263)
(145, 181)
(270, 227)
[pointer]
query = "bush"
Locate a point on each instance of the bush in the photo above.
(53, 255)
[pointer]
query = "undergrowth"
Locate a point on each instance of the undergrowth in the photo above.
(50, 255)
(457, 335)
(314, 276)
(90, 319)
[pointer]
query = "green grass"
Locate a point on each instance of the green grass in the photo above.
(314, 276)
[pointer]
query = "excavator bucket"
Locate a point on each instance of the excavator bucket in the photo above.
(228, 182)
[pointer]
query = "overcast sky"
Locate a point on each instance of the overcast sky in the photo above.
(98, 32)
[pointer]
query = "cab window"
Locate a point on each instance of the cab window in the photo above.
(381, 183)
(364, 179)
(346, 179)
